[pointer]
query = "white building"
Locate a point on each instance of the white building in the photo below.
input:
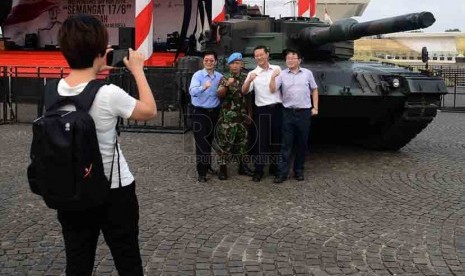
(337, 9)
(442, 47)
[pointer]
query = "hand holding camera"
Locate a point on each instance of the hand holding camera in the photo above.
(125, 57)
(115, 57)
(135, 61)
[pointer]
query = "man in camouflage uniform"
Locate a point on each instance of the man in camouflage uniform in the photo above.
(235, 113)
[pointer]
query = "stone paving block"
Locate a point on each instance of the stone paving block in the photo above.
(358, 212)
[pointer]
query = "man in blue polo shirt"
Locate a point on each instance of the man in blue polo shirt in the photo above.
(300, 101)
(202, 89)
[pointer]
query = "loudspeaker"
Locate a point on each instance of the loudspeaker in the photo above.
(31, 41)
(127, 38)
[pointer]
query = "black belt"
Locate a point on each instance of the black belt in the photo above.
(297, 109)
(203, 109)
(273, 105)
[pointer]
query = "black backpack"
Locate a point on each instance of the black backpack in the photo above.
(66, 165)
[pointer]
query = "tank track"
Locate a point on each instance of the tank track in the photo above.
(419, 110)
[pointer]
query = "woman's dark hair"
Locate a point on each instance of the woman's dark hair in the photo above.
(82, 38)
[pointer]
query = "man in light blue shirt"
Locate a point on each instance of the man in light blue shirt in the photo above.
(204, 98)
(300, 100)
(204, 84)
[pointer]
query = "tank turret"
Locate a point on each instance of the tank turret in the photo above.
(317, 40)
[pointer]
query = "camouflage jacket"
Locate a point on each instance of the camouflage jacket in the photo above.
(235, 106)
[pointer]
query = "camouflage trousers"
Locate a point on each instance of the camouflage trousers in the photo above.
(231, 142)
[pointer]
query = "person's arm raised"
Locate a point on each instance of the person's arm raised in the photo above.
(146, 107)
(248, 82)
(273, 85)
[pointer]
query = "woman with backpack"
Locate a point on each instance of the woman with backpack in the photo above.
(83, 40)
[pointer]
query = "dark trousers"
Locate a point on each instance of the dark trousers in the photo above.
(118, 220)
(203, 124)
(295, 131)
(268, 124)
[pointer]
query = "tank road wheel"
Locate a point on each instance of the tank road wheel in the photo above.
(419, 111)
(395, 135)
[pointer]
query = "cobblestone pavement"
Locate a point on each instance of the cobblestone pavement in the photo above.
(357, 213)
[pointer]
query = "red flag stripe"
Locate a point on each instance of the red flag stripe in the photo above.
(143, 23)
(303, 7)
(221, 16)
(312, 8)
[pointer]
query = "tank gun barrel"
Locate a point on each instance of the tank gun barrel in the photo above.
(351, 29)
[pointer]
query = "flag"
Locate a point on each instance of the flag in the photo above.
(312, 8)
(28, 10)
(219, 10)
(144, 27)
(307, 8)
(303, 7)
(327, 17)
(33, 16)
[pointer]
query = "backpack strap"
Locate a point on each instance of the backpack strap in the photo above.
(51, 95)
(116, 149)
(83, 101)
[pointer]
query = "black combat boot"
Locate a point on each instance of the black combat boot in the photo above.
(257, 176)
(223, 174)
(244, 169)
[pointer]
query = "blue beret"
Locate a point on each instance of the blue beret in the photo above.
(234, 56)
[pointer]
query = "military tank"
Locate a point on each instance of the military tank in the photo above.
(376, 105)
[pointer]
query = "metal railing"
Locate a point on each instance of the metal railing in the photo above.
(454, 77)
(3, 94)
(170, 88)
(22, 91)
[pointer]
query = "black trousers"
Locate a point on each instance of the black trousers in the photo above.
(118, 220)
(295, 131)
(268, 120)
(203, 124)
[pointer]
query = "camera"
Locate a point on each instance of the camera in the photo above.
(115, 57)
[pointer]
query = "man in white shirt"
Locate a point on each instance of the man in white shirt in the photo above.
(267, 115)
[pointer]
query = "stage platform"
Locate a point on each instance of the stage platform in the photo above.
(40, 58)
(24, 73)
